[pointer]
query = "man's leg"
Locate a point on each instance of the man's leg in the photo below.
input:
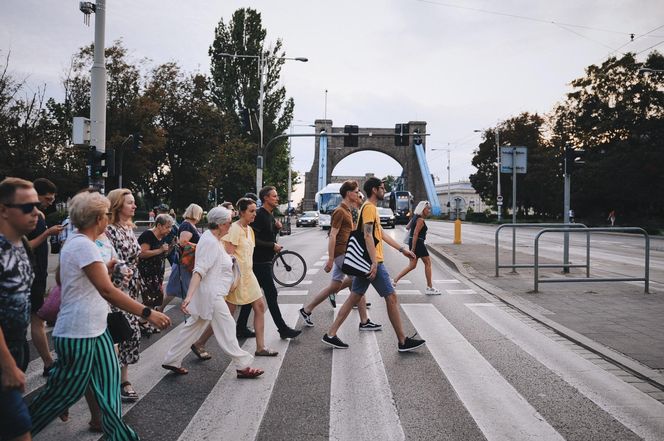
(392, 303)
(334, 287)
(263, 273)
(352, 300)
(243, 317)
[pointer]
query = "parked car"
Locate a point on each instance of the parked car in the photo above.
(386, 217)
(307, 219)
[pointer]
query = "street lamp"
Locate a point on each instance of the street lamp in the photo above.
(499, 197)
(449, 191)
(644, 70)
(261, 72)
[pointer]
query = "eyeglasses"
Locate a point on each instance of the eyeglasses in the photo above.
(25, 208)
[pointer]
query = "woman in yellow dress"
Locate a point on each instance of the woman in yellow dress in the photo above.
(240, 242)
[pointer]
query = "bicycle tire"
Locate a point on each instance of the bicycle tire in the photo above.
(288, 268)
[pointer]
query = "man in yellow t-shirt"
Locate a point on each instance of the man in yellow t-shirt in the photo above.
(378, 277)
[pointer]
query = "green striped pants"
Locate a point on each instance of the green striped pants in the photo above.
(83, 363)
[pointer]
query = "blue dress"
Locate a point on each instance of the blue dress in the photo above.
(178, 281)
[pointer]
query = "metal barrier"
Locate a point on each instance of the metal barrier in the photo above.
(525, 265)
(588, 231)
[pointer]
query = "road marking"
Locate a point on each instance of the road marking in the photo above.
(456, 292)
(324, 258)
(232, 401)
(293, 292)
(481, 388)
(312, 271)
(446, 281)
(306, 282)
(320, 263)
(636, 410)
(359, 378)
(404, 282)
(409, 291)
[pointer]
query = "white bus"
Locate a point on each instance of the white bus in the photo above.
(327, 200)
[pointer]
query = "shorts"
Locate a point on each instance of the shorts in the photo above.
(337, 274)
(14, 419)
(37, 294)
(420, 249)
(382, 283)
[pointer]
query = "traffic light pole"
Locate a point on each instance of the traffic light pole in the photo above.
(566, 205)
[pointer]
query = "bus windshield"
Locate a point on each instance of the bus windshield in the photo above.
(328, 202)
(402, 202)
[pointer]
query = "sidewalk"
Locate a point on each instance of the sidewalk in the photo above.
(615, 320)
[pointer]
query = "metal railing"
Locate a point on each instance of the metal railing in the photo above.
(514, 227)
(588, 231)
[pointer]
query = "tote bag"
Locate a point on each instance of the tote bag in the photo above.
(357, 261)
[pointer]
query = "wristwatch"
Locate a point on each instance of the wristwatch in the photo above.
(146, 312)
(401, 249)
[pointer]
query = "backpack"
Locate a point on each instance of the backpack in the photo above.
(188, 256)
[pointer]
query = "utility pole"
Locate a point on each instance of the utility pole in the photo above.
(499, 196)
(566, 205)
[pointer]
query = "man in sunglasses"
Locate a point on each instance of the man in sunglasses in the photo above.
(18, 216)
(46, 191)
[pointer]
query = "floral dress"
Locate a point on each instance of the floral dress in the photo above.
(126, 246)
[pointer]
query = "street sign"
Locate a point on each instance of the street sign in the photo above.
(507, 154)
(499, 198)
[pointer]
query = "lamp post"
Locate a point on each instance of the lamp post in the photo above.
(645, 70)
(499, 197)
(261, 72)
(449, 191)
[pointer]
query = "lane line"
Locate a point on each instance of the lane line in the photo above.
(446, 281)
(320, 263)
(456, 292)
(232, 401)
(404, 282)
(312, 271)
(636, 410)
(409, 292)
(497, 408)
(288, 292)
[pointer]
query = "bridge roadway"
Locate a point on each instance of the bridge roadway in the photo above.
(487, 372)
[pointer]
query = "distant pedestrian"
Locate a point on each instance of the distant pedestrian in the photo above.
(612, 217)
(416, 238)
(151, 216)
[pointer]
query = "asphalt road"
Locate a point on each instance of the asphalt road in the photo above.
(487, 372)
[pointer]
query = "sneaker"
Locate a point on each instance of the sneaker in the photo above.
(334, 341)
(370, 326)
(410, 343)
(430, 291)
(306, 317)
(333, 300)
(368, 305)
(289, 333)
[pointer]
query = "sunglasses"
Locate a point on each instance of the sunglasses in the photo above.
(25, 208)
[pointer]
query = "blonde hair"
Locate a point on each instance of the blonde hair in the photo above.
(85, 208)
(117, 197)
(420, 207)
(193, 212)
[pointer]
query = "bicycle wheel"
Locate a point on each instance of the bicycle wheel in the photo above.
(288, 268)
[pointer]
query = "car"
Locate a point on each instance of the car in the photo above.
(386, 217)
(307, 219)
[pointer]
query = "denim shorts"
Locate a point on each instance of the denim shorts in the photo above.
(382, 283)
(337, 274)
(14, 419)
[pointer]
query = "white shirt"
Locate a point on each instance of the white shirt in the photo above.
(83, 310)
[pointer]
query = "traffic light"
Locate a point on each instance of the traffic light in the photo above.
(401, 134)
(573, 158)
(110, 161)
(137, 139)
(245, 121)
(97, 163)
(351, 138)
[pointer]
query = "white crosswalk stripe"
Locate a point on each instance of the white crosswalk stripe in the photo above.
(456, 292)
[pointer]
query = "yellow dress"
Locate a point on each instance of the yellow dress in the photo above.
(248, 289)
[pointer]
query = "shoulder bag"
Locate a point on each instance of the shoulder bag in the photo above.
(357, 261)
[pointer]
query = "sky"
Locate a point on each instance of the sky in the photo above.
(459, 65)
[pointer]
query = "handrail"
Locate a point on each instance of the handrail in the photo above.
(645, 279)
(514, 227)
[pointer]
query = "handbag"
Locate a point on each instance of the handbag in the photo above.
(188, 256)
(49, 310)
(357, 261)
(119, 327)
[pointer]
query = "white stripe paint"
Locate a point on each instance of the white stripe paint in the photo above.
(497, 408)
(320, 263)
(312, 271)
(306, 282)
(636, 410)
(361, 402)
(409, 291)
(323, 258)
(446, 281)
(292, 292)
(404, 282)
(233, 400)
(456, 292)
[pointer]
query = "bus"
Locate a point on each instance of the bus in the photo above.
(327, 200)
(401, 203)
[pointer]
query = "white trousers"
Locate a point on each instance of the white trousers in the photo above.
(224, 329)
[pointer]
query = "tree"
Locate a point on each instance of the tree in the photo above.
(235, 86)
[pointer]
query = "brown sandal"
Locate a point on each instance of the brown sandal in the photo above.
(201, 353)
(265, 352)
(249, 372)
(175, 369)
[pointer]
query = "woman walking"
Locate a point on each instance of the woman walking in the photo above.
(151, 259)
(121, 235)
(416, 238)
(86, 357)
(205, 302)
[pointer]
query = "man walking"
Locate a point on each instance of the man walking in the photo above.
(340, 229)
(46, 191)
(378, 276)
(265, 227)
(18, 216)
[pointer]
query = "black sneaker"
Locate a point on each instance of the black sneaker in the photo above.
(245, 333)
(333, 300)
(334, 341)
(410, 343)
(306, 317)
(288, 333)
(368, 305)
(370, 326)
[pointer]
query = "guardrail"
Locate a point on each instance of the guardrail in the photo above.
(588, 231)
(525, 265)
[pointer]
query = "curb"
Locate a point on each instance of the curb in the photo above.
(646, 373)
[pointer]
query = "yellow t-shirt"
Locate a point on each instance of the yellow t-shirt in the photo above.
(369, 215)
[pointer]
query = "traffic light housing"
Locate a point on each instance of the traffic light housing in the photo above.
(245, 121)
(401, 132)
(137, 139)
(97, 163)
(351, 138)
(573, 158)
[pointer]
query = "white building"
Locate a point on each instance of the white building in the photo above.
(462, 195)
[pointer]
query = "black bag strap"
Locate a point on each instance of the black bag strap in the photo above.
(359, 222)
(29, 251)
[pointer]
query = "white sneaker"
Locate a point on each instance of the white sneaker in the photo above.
(430, 291)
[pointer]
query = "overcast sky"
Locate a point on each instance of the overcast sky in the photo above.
(459, 65)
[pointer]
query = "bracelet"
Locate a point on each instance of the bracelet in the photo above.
(401, 249)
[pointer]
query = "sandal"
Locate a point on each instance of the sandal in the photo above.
(128, 395)
(249, 372)
(266, 352)
(64, 416)
(175, 369)
(201, 353)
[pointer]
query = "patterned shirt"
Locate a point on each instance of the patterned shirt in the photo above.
(16, 276)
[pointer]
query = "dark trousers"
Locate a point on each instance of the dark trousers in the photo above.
(263, 272)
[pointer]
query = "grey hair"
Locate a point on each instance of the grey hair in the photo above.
(218, 216)
(420, 207)
(164, 219)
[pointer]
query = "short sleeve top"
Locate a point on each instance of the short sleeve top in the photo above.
(148, 237)
(369, 215)
(16, 276)
(342, 219)
(186, 226)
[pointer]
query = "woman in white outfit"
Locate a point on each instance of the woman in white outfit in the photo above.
(210, 283)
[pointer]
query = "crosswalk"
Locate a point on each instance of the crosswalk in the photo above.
(483, 374)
